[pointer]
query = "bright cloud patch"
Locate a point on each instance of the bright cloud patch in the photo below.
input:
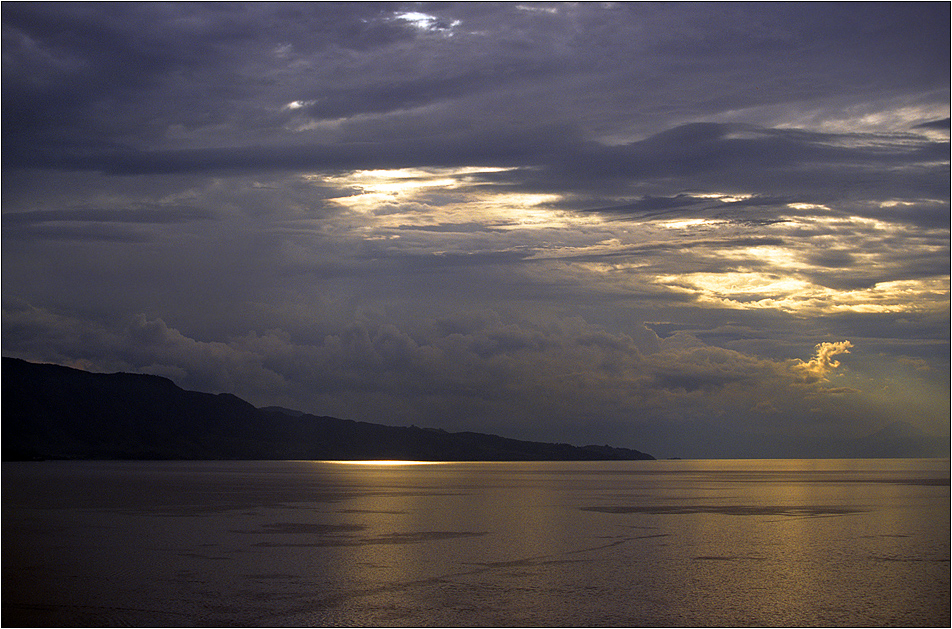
(823, 362)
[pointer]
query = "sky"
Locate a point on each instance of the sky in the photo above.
(696, 230)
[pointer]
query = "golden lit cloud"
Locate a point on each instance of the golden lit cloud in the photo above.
(823, 362)
(688, 223)
(759, 290)
(723, 197)
(403, 180)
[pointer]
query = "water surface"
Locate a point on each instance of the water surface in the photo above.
(641, 543)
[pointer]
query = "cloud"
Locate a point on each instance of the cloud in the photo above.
(942, 125)
(95, 224)
(101, 215)
(479, 371)
(462, 215)
(396, 95)
(822, 363)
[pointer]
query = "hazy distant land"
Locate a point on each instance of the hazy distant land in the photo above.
(56, 412)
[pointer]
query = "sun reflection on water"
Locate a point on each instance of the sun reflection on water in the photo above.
(388, 462)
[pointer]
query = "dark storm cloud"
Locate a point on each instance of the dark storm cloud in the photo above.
(832, 259)
(481, 366)
(100, 215)
(92, 224)
(460, 214)
(89, 87)
(75, 72)
(71, 63)
(941, 125)
(764, 161)
(451, 228)
(81, 233)
(481, 148)
(927, 213)
(652, 206)
(805, 166)
(407, 94)
(480, 260)
(92, 72)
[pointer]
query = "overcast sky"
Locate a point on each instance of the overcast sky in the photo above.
(694, 230)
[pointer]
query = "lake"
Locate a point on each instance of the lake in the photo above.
(639, 543)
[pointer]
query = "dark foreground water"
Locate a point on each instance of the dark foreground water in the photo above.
(648, 543)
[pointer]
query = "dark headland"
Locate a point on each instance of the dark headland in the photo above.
(56, 412)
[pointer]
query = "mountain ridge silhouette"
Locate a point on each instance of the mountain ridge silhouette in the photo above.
(57, 412)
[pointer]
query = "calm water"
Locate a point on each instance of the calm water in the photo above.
(648, 543)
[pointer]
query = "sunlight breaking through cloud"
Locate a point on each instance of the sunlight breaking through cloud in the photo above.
(462, 215)
(823, 363)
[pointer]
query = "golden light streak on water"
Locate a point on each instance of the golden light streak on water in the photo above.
(386, 462)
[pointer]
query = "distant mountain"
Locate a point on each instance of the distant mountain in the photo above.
(55, 412)
(284, 411)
